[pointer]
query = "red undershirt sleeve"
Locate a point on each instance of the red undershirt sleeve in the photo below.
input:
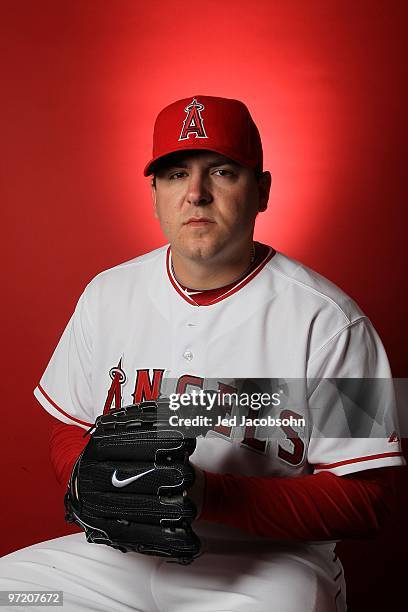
(66, 444)
(314, 507)
(322, 506)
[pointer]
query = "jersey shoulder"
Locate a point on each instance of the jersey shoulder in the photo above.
(312, 287)
(130, 272)
(132, 265)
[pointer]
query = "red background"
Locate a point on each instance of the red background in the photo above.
(82, 83)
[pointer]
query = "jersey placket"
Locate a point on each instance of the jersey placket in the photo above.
(189, 341)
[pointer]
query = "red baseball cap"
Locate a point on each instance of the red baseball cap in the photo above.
(221, 125)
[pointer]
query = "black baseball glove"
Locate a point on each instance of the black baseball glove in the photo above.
(128, 487)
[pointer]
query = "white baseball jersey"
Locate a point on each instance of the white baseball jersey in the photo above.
(136, 334)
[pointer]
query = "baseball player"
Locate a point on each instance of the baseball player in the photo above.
(211, 308)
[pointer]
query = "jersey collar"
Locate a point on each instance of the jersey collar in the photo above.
(230, 289)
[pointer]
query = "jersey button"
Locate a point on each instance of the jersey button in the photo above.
(188, 355)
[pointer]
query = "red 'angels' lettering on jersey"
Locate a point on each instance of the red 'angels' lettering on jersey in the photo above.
(295, 456)
(146, 389)
(186, 381)
(114, 397)
(193, 123)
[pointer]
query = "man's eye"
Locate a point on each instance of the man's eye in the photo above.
(176, 175)
(223, 172)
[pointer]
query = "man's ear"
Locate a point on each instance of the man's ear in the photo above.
(264, 186)
(154, 197)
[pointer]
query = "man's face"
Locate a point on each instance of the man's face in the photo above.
(207, 204)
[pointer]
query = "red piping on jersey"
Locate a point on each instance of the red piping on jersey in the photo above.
(47, 397)
(321, 466)
(236, 288)
(183, 295)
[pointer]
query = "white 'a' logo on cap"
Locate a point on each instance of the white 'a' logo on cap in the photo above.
(193, 123)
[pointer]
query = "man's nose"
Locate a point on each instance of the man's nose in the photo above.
(198, 191)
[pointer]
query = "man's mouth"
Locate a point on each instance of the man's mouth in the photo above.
(198, 221)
